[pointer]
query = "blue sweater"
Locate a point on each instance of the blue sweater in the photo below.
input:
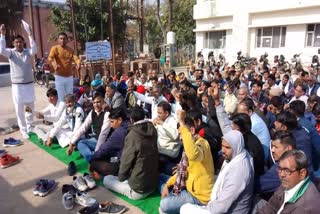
(114, 144)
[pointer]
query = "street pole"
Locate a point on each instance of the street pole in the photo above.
(32, 22)
(141, 25)
(123, 31)
(112, 37)
(101, 22)
(73, 28)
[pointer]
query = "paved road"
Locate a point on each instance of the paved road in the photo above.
(16, 182)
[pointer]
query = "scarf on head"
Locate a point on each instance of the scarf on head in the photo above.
(235, 139)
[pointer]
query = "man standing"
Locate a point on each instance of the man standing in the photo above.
(61, 57)
(20, 60)
(297, 194)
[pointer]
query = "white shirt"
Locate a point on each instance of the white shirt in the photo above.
(288, 194)
(168, 137)
(52, 113)
(303, 98)
(151, 100)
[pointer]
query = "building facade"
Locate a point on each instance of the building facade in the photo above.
(277, 27)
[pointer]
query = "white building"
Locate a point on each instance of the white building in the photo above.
(277, 27)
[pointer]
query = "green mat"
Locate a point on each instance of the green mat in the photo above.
(148, 205)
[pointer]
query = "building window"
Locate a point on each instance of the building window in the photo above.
(271, 37)
(215, 39)
(313, 35)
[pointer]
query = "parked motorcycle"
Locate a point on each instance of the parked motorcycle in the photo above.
(296, 62)
(42, 74)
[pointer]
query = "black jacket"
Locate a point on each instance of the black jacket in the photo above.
(139, 160)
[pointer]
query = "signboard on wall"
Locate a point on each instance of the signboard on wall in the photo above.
(98, 50)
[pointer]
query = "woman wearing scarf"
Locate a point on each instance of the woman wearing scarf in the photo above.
(233, 189)
(194, 176)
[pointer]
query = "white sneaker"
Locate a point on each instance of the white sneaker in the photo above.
(84, 199)
(79, 183)
(89, 180)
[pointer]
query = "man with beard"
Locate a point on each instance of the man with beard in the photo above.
(73, 116)
(232, 191)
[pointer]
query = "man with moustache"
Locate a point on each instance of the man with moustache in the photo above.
(297, 194)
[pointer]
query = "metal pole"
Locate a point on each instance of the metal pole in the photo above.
(123, 31)
(141, 26)
(73, 28)
(31, 15)
(32, 22)
(40, 32)
(112, 37)
(101, 22)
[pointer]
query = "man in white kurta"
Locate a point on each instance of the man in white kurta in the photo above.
(20, 60)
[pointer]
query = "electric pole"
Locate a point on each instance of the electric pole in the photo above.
(73, 28)
(112, 37)
(141, 25)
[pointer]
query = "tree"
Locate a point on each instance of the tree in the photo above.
(88, 14)
(182, 21)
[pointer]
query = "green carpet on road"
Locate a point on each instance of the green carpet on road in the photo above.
(149, 205)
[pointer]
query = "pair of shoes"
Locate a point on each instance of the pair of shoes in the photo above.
(109, 207)
(11, 142)
(84, 199)
(43, 187)
(82, 183)
(7, 160)
(2, 152)
(72, 168)
(69, 188)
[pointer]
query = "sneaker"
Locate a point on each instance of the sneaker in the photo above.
(94, 209)
(84, 199)
(72, 168)
(8, 160)
(110, 207)
(36, 187)
(68, 201)
(11, 142)
(2, 152)
(79, 183)
(69, 188)
(46, 186)
(89, 180)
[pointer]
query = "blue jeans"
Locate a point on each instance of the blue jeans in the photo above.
(172, 203)
(86, 147)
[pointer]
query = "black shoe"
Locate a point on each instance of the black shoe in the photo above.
(72, 168)
(109, 207)
(94, 209)
(69, 188)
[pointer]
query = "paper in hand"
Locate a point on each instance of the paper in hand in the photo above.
(26, 27)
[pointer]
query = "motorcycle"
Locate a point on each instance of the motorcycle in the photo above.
(315, 63)
(42, 74)
(244, 61)
(264, 61)
(296, 62)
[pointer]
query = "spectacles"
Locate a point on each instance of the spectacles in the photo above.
(286, 170)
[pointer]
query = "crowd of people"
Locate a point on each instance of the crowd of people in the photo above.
(214, 140)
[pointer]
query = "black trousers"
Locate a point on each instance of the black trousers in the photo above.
(104, 168)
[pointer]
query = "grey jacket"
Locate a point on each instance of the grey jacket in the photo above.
(307, 203)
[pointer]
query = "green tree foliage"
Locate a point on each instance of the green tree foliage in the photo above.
(88, 18)
(182, 21)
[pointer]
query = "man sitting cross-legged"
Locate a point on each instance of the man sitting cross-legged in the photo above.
(297, 194)
(138, 174)
(105, 160)
(194, 178)
(73, 116)
(232, 192)
(51, 113)
(97, 120)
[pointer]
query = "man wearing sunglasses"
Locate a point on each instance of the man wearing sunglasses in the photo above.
(297, 194)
